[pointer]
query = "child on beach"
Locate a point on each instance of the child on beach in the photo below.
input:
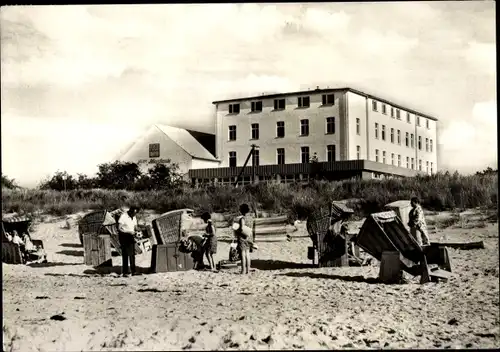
(210, 246)
(243, 230)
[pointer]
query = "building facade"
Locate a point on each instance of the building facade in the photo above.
(331, 125)
(161, 143)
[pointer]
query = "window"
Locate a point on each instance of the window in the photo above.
(383, 156)
(374, 105)
(418, 120)
(399, 160)
(427, 144)
(256, 106)
(407, 162)
(376, 155)
(232, 132)
(412, 163)
(154, 150)
(328, 99)
(398, 114)
(255, 131)
(420, 165)
(419, 142)
(392, 112)
(280, 153)
(280, 129)
(392, 158)
(408, 118)
(383, 132)
(330, 153)
(392, 135)
(234, 108)
(407, 139)
(427, 125)
(304, 127)
(399, 137)
(303, 102)
(430, 146)
(279, 104)
(304, 155)
(427, 166)
(412, 141)
(384, 109)
(358, 126)
(330, 125)
(376, 130)
(358, 152)
(432, 167)
(256, 157)
(232, 159)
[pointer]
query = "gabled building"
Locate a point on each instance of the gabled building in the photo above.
(189, 149)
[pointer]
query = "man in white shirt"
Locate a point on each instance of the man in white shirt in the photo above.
(127, 226)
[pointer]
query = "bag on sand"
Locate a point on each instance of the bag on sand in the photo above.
(234, 256)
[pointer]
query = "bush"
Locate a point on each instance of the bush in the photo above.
(438, 192)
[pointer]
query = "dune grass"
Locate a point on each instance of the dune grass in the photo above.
(438, 192)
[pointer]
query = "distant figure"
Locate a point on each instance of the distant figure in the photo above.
(418, 227)
(127, 227)
(243, 232)
(314, 158)
(210, 247)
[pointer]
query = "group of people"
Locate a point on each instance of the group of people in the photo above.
(28, 250)
(204, 246)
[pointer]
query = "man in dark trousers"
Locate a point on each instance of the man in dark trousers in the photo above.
(127, 227)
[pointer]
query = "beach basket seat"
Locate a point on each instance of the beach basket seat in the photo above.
(168, 226)
(103, 222)
(328, 245)
(12, 253)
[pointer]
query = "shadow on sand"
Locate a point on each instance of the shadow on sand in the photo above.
(50, 264)
(72, 253)
(368, 280)
(106, 270)
(72, 245)
(278, 265)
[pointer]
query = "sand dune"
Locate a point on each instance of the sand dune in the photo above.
(283, 304)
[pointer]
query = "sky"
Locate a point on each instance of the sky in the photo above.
(80, 83)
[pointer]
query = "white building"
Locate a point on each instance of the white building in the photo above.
(189, 149)
(341, 126)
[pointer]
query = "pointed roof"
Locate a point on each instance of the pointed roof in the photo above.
(186, 141)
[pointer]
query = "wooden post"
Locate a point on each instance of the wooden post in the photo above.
(390, 268)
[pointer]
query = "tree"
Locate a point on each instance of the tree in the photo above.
(61, 181)
(8, 183)
(118, 175)
(165, 175)
(86, 182)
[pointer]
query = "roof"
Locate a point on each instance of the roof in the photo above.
(207, 140)
(186, 141)
(398, 204)
(328, 90)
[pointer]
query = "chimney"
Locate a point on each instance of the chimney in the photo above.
(317, 87)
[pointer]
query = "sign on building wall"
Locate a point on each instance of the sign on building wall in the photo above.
(154, 161)
(154, 150)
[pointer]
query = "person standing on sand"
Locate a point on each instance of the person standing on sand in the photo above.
(210, 247)
(127, 227)
(243, 233)
(418, 227)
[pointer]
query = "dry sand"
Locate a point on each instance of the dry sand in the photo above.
(281, 305)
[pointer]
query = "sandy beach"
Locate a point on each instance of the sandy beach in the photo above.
(283, 304)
